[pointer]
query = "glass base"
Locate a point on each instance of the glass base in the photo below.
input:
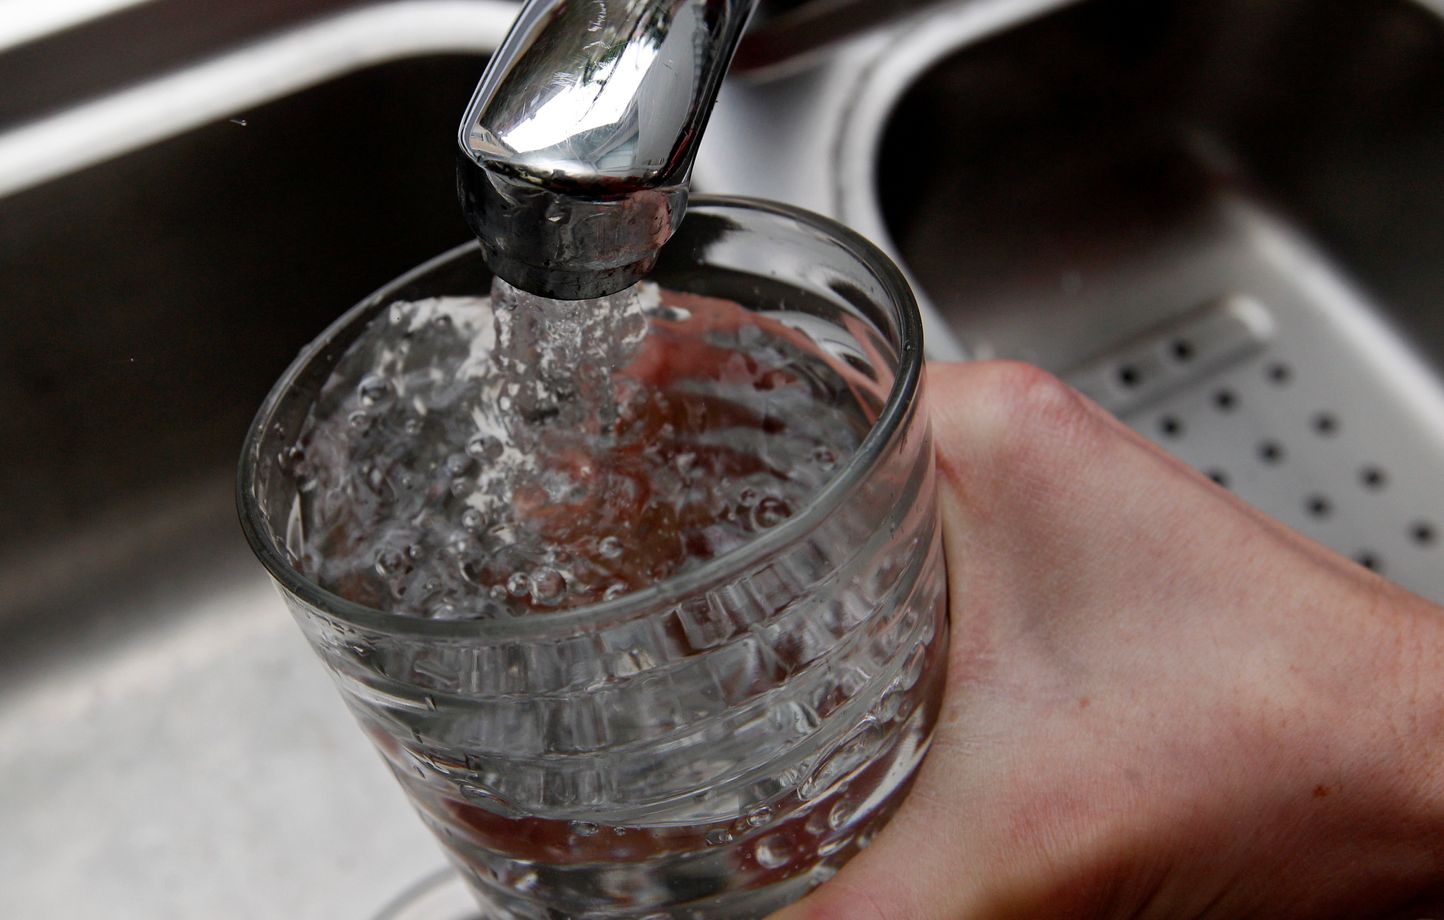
(439, 896)
(443, 895)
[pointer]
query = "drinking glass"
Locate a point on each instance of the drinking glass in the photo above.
(721, 741)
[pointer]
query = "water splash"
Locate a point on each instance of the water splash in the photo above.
(476, 457)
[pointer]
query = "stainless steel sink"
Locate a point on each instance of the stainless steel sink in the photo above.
(1224, 221)
(1164, 201)
(169, 747)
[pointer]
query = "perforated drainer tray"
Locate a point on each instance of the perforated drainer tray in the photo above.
(1284, 386)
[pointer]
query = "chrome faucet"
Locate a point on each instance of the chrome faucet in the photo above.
(577, 147)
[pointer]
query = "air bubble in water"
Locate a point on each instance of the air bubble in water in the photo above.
(375, 392)
(548, 586)
(718, 836)
(291, 456)
(390, 562)
(773, 852)
(375, 479)
(770, 512)
(584, 828)
(518, 584)
(610, 547)
(484, 447)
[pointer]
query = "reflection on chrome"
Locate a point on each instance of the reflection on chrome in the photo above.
(578, 145)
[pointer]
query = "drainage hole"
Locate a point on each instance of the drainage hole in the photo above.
(1182, 350)
(1424, 533)
(1218, 476)
(1318, 505)
(1280, 373)
(1325, 424)
(1171, 426)
(1373, 477)
(1271, 452)
(1369, 561)
(1129, 376)
(1225, 400)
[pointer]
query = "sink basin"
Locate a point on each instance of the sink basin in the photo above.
(1223, 221)
(169, 747)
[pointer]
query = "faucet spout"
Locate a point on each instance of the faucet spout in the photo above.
(577, 147)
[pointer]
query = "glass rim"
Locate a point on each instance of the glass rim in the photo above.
(592, 617)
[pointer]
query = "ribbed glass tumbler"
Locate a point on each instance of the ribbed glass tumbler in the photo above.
(711, 746)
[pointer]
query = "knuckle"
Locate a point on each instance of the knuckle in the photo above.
(1008, 411)
(1032, 395)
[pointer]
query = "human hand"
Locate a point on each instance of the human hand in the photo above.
(1160, 704)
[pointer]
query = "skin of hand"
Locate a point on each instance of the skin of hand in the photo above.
(1161, 703)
